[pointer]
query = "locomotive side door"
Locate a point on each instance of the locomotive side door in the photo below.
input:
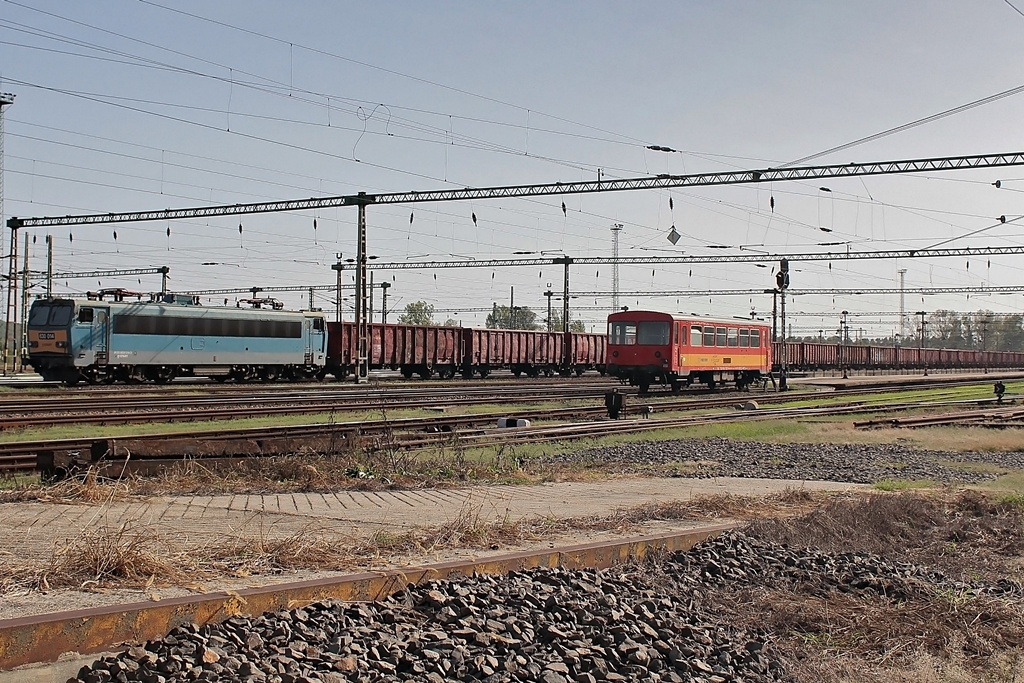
(101, 335)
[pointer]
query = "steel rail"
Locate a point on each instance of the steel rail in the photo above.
(14, 456)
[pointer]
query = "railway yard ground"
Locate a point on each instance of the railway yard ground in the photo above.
(857, 530)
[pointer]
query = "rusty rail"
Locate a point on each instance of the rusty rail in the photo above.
(44, 638)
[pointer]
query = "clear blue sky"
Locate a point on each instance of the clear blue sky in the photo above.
(137, 105)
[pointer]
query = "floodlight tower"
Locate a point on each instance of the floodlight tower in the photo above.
(616, 230)
(12, 271)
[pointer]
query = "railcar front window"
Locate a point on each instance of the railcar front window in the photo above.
(622, 333)
(40, 314)
(695, 335)
(653, 334)
(60, 315)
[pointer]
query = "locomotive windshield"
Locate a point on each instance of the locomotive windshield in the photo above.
(47, 315)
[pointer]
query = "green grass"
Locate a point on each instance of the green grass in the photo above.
(1011, 484)
(904, 484)
(18, 481)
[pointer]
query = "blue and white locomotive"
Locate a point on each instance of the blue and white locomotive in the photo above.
(92, 340)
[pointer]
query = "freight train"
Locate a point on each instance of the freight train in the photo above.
(99, 341)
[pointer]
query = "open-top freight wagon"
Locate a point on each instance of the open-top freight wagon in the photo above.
(428, 350)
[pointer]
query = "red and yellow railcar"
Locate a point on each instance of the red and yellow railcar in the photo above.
(647, 347)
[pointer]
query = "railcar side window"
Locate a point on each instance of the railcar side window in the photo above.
(622, 333)
(744, 339)
(755, 339)
(709, 336)
(653, 333)
(40, 314)
(85, 316)
(720, 337)
(734, 338)
(695, 335)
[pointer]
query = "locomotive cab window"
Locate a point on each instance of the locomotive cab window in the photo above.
(60, 315)
(318, 324)
(622, 333)
(695, 335)
(653, 333)
(744, 339)
(734, 337)
(85, 316)
(40, 314)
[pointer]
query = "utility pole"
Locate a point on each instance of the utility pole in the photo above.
(337, 295)
(371, 297)
(567, 261)
(384, 302)
(23, 336)
(512, 307)
(616, 230)
(7, 99)
(920, 341)
(903, 314)
(549, 294)
(49, 267)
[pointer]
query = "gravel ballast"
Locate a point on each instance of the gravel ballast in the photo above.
(630, 623)
(852, 463)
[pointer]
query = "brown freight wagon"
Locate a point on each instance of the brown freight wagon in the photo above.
(412, 349)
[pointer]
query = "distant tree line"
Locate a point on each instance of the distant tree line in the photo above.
(980, 331)
(500, 318)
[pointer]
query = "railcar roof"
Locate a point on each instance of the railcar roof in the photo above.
(681, 317)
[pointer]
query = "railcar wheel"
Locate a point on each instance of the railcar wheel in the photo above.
(580, 370)
(406, 372)
(425, 373)
(485, 371)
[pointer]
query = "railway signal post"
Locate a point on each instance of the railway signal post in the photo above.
(782, 284)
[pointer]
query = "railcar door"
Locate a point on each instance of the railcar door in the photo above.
(101, 335)
(316, 342)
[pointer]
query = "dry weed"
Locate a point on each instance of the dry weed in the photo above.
(125, 556)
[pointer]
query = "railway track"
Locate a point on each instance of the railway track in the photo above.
(150, 452)
(22, 412)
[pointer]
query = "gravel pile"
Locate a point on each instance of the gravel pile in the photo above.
(638, 623)
(854, 463)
